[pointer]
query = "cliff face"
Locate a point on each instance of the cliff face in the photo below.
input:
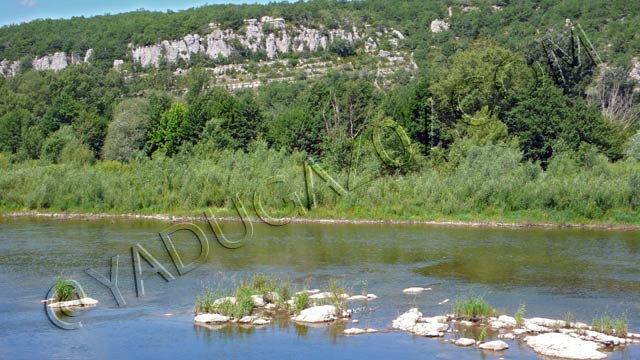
(55, 62)
(273, 36)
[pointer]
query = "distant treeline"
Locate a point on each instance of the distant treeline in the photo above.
(502, 118)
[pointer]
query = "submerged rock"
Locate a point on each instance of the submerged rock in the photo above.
(211, 319)
(497, 345)
(317, 314)
(564, 346)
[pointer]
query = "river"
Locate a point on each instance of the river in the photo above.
(551, 271)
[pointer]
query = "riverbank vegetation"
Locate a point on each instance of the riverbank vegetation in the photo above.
(490, 128)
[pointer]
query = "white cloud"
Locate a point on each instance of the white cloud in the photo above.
(29, 3)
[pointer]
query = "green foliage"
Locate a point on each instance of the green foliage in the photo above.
(608, 324)
(472, 308)
(75, 152)
(337, 289)
(64, 290)
(568, 319)
(520, 314)
(173, 129)
(342, 47)
(11, 125)
(300, 302)
(127, 132)
(205, 302)
(632, 150)
(56, 142)
(483, 333)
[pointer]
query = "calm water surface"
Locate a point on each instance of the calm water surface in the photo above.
(551, 271)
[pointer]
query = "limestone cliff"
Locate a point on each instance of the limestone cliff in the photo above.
(273, 36)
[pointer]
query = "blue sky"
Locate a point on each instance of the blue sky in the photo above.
(17, 11)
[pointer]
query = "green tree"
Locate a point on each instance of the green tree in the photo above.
(173, 129)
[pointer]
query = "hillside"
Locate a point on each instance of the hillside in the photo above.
(544, 93)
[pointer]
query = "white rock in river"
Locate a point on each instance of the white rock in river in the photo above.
(494, 345)
(508, 336)
(508, 320)
(357, 298)
(320, 296)
(211, 318)
(564, 346)
(261, 321)
(86, 301)
(545, 322)
(536, 328)
(258, 301)
(354, 331)
(247, 319)
(604, 339)
(372, 296)
(434, 319)
(465, 342)
(317, 314)
(407, 320)
(415, 290)
(310, 292)
(429, 329)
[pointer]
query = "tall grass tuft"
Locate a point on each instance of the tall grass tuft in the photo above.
(520, 314)
(64, 290)
(472, 308)
(611, 325)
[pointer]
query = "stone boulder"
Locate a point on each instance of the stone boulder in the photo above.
(407, 321)
(211, 319)
(497, 345)
(86, 301)
(317, 314)
(465, 342)
(439, 26)
(564, 346)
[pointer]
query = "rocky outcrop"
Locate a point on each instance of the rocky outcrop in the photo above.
(564, 346)
(413, 322)
(9, 68)
(273, 36)
(56, 62)
(317, 314)
(439, 26)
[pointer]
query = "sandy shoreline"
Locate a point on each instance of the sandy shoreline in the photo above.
(177, 219)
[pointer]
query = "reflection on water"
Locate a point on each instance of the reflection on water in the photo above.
(551, 271)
